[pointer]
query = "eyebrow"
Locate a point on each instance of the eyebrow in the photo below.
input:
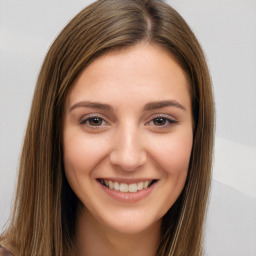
(149, 106)
(163, 104)
(88, 104)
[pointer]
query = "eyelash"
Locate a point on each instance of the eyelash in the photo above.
(167, 121)
(90, 118)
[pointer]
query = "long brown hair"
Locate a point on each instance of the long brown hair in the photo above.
(45, 206)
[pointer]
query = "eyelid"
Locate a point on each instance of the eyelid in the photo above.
(159, 115)
(171, 120)
(93, 115)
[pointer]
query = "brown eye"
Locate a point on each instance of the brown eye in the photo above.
(160, 121)
(93, 121)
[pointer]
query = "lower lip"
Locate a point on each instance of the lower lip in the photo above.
(129, 196)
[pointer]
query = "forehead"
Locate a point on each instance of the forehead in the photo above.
(143, 72)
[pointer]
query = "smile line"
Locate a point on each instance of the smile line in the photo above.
(124, 187)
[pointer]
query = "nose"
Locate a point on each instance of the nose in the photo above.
(128, 152)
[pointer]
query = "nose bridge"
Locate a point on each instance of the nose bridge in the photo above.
(128, 151)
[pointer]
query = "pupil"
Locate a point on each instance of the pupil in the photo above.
(159, 121)
(95, 121)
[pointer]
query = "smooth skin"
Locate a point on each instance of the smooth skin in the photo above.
(127, 117)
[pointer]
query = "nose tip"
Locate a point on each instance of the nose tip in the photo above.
(128, 161)
(128, 153)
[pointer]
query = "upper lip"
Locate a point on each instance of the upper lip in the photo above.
(127, 181)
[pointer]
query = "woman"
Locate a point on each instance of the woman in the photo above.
(118, 150)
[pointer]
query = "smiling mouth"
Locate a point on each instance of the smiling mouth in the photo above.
(124, 187)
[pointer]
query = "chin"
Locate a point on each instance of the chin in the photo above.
(132, 223)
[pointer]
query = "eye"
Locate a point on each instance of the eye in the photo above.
(161, 121)
(93, 121)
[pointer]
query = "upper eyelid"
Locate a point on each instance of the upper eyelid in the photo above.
(107, 116)
(167, 116)
(107, 120)
(86, 117)
(171, 121)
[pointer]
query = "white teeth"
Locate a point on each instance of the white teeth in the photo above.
(140, 185)
(116, 186)
(123, 187)
(133, 188)
(111, 184)
(145, 185)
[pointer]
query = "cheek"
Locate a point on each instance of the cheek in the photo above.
(82, 153)
(172, 156)
(173, 152)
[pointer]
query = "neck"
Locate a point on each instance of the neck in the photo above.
(92, 238)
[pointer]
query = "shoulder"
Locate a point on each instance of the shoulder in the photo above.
(4, 251)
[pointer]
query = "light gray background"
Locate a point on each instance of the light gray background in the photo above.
(227, 32)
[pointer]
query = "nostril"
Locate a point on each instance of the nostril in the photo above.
(127, 160)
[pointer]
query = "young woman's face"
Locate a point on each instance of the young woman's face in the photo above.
(128, 137)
